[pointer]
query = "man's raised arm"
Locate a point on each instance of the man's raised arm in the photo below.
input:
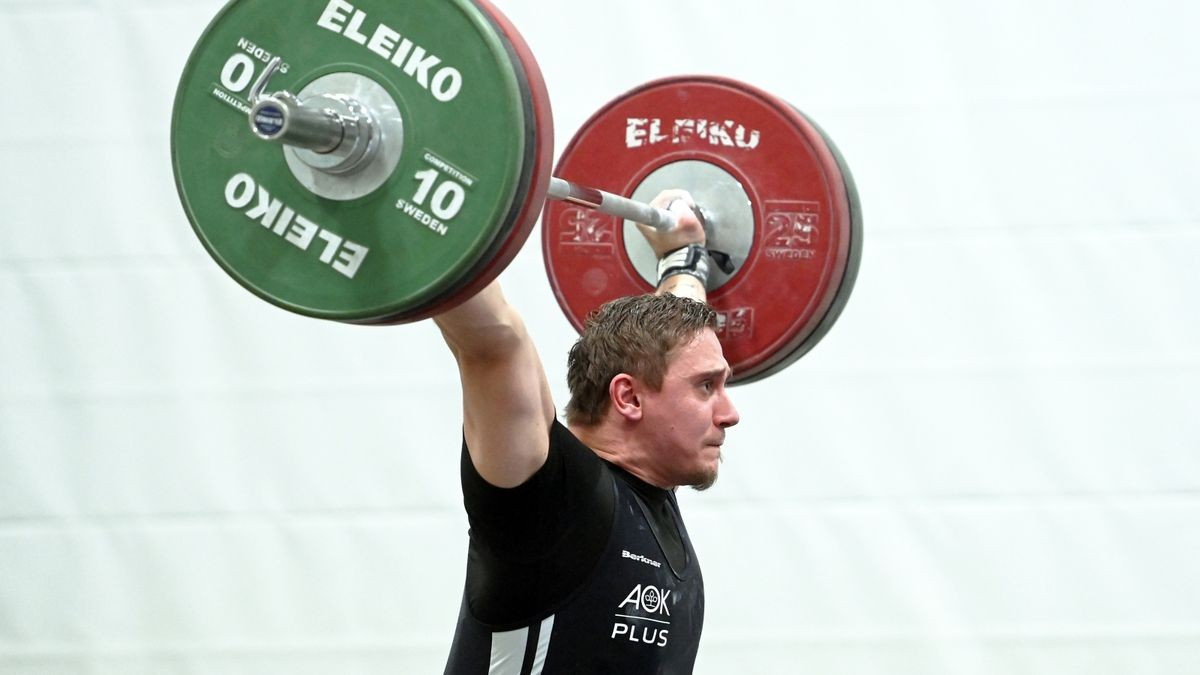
(507, 406)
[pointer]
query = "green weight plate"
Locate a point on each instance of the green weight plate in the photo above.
(430, 224)
(535, 179)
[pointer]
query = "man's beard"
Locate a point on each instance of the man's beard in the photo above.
(705, 479)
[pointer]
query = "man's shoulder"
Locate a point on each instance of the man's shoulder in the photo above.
(572, 471)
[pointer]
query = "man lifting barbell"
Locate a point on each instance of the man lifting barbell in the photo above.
(402, 176)
(579, 560)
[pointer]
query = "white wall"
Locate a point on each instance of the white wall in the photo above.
(990, 466)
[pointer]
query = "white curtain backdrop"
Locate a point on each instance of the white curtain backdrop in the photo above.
(991, 466)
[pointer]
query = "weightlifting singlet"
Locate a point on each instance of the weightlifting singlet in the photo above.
(630, 608)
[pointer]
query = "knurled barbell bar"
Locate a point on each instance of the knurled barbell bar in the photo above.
(408, 155)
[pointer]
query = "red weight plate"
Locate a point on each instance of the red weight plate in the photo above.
(849, 277)
(535, 177)
(800, 265)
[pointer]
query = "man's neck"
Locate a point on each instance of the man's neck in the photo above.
(617, 444)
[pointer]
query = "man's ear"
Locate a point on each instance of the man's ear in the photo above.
(624, 397)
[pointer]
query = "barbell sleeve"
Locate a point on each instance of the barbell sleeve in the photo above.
(282, 118)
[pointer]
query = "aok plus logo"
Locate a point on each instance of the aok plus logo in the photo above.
(644, 616)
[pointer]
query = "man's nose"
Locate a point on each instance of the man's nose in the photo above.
(727, 415)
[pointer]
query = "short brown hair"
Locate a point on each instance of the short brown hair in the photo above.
(633, 335)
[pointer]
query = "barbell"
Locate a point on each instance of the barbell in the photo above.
(378, 162)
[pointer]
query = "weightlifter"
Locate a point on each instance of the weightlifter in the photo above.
(579, 561)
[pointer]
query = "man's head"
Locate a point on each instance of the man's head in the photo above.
(654, 363)
(634, 335)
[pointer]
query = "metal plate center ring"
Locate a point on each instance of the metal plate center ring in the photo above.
(367, 101)
(728, 212)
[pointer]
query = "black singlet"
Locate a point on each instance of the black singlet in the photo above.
(581, 569)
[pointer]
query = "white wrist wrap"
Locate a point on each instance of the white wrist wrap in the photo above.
(691, 259)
